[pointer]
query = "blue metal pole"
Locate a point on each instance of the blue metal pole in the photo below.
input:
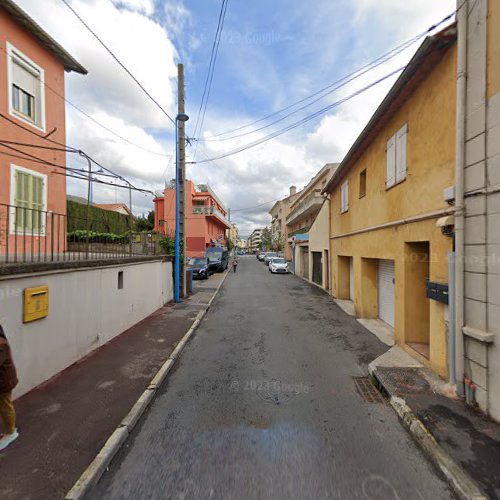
(177, 284)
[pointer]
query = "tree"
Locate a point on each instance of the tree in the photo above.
(146, 223)
(278, 243)
(266, 239)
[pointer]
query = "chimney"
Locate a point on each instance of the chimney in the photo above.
(293, 190)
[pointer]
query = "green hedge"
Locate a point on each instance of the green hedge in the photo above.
(100, 220)
(80, 235)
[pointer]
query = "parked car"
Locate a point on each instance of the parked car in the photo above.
(269, 256)
(260, 255)
(278, 265)
(218, 258)
(201, 267)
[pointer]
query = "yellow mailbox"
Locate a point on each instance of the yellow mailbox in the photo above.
(36, 303)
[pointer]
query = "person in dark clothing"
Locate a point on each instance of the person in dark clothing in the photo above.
(8, 380)
(235, 264)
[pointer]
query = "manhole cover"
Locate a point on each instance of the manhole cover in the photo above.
(367, 390)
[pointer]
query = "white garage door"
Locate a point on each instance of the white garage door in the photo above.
(386, 281)
(351, 279)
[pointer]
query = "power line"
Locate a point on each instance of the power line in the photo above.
(300, 122)
(67, 149)
(337, 84)
(110, 52)
(37, 159)
(210, 72)
(257, 206)
(90, 117)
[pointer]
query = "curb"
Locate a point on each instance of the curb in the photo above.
(98, 466)
(463, 485)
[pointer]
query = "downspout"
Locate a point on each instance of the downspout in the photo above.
(462, 9)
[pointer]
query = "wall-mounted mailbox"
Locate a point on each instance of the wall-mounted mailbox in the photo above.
(437, 291)
(36, 303)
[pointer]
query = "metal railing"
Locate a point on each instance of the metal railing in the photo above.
(206, 210)
(28, 235)
(312, 198)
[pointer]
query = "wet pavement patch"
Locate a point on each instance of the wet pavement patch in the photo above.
(401, 381)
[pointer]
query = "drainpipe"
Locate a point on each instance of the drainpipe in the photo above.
(462, 9)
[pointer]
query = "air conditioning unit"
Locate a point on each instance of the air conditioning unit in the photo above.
(449, 195)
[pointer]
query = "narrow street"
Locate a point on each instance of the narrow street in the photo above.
(263, 404)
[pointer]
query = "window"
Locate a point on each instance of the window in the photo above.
(362, 183)
(28, 197)
(344, 197)
(396, 157)
(26, 93)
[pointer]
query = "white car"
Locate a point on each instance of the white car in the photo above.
(278, 265)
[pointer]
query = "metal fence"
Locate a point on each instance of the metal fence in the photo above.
(31, 235)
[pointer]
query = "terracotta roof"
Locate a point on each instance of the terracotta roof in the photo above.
(70, 64)
(112, 206)
(425, 59)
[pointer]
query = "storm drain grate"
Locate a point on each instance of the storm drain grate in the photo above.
(367, 390)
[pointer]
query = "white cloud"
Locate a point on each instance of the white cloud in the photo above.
(146, 7)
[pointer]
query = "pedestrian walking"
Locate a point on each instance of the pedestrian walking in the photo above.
(235, 264)
(8, 380)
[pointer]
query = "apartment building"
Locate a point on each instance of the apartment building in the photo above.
(303, 211)
(206, 217)
(391, 222)
(32, 193)
(254, 240)
(279, 230)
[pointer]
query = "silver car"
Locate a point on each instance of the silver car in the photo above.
(278, 265)
(269, 256)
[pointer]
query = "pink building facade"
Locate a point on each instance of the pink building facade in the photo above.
(32, 191)
(206, 218)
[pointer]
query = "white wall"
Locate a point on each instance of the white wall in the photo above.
(86, 310)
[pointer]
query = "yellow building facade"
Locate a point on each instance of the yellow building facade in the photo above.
(388, 212)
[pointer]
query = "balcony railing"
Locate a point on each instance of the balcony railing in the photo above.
(28, 235)
(309, 204)
(206, 210)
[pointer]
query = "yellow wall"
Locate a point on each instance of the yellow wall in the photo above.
(430, 115)
(493, 54)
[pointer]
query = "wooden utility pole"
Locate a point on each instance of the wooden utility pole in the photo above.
(182, 174)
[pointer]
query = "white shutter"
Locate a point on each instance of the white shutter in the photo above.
(401, 137)
(351, 278)
(386, 287)
(344, 197)
(391, 162)
(24, 78)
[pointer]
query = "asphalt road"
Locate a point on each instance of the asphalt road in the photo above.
(263, 404)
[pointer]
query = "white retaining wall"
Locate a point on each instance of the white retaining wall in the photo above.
(86, 310)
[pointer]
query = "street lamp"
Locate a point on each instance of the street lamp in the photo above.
(181, 117)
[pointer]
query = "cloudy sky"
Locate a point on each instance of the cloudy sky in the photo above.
(271, 55)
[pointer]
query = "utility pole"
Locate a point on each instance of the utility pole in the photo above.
(181, 175)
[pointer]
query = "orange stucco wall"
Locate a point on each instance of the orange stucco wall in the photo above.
(201, 229)
(14, 34)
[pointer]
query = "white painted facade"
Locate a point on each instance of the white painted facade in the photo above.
(86, 309)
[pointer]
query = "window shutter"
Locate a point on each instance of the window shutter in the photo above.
(391, 162)
(24, 78)
(401, 138)
(346, 196)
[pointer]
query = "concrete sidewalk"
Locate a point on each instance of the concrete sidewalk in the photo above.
(471, 439)
(65, 422)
